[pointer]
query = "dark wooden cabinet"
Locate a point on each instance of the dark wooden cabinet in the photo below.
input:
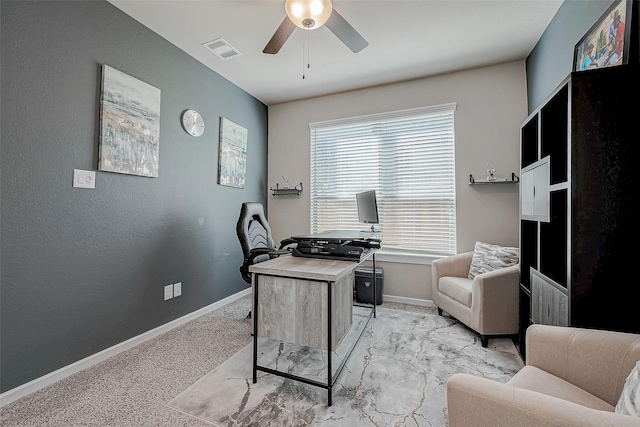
(577, 261)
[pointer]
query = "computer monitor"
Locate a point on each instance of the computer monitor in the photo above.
(367, 208)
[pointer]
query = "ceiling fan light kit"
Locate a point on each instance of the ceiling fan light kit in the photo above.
(308, 14)
(312, 14)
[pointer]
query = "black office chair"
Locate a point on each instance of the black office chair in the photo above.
(255, 238)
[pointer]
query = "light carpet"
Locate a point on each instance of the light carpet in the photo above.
(396, 375)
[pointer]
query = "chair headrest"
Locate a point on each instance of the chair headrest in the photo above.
(252, 228)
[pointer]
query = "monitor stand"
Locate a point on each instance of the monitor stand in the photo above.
(370, 230)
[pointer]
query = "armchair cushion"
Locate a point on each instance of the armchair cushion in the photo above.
(457, 288)
(488, 257)
(535, 379)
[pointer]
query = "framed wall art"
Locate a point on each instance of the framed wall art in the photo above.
(129, 125)
(232, 158)
(606, 44)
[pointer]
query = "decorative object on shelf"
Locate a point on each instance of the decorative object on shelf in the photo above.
(606, 44)
(514, 179)
(286, 191)
(192, 123)
(491, 171)
(232, 159)
(129, 125)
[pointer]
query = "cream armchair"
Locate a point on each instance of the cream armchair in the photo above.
(573, 378)
(488, 303)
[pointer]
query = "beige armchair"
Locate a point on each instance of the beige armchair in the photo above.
(488, 303)
(573, 378)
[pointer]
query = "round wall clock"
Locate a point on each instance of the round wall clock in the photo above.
(192, 123)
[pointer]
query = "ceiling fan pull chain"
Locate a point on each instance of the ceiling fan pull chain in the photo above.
(308, 50)
(305, 58)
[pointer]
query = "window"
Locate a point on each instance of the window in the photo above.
(407, 157)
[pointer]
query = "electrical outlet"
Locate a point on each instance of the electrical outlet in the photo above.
(177, 289)
(168, 292)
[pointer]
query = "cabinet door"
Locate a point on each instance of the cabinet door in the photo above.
(527, 185)
(534, 187)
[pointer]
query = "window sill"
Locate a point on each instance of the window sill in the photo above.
(386, 255)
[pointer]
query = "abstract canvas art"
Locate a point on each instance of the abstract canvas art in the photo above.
(129, 125)
(232, 159)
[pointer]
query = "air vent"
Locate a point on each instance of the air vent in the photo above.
(222, 49)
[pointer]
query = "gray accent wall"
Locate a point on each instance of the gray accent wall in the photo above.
(551, 61)
(82, 269)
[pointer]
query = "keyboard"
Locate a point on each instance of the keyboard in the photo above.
(368, 243)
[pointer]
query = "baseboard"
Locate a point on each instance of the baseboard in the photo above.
(52, 377)
(405, 300)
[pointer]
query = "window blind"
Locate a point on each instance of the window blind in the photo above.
(407, 157)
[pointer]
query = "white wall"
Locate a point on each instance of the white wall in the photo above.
(491, 105)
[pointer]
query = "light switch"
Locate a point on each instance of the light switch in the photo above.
(84, 179)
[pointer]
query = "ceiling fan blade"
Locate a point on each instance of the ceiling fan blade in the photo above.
(280, 36)
(345, 32)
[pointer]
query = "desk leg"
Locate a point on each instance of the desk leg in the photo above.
(329, 324)
(255, 327)
(375, 282)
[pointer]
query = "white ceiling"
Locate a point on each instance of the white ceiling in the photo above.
(407, 40)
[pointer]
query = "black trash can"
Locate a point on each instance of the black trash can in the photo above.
(364, 285)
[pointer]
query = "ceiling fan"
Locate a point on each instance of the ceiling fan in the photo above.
(312, 14)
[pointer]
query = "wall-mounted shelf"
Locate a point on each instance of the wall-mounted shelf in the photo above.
(514, 180)
(278, 191)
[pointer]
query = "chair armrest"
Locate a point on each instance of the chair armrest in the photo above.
(597, 361)
(454, 265)
(286, 242)
(256, 252)
(475, 401)
(494, 301)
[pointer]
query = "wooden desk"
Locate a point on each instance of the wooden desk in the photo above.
(305, 301)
